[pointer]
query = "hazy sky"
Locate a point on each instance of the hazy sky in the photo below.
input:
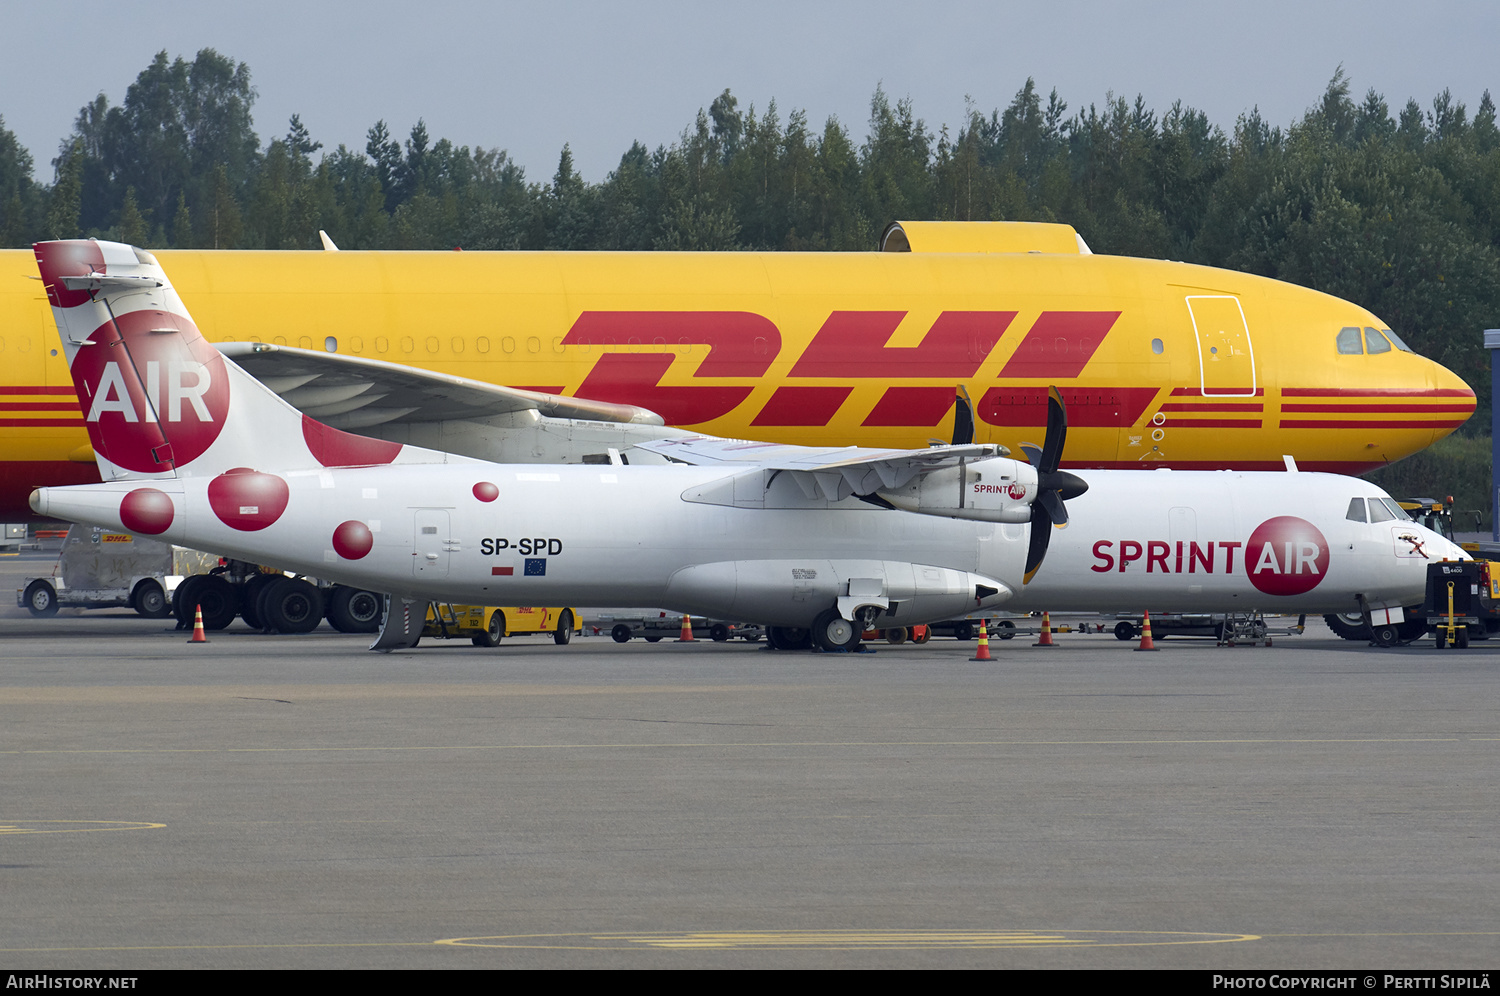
(599, 75)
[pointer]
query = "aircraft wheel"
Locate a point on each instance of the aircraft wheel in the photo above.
(921, 634)
(41, 598)
(185, 598)
(1007, 629)
(789, 638)
(1387, 636)
(963, 631)
(719, 633)
(150, 601)
(1347, 625)
(563, 635)
(750, 637)
(292, 605)
(896, 637)
(250, 593)
(352, 610)
(653, 639)
(218, 600)
(620, 634)
(832, 632)
(1125, 630)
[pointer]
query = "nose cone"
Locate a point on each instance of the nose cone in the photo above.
(38, 501)
(1454, 398)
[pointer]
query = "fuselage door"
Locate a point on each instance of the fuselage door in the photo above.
(1225, 357)
(430, 543)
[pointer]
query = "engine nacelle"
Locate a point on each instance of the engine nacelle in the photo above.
(790, 593)
(995, 490)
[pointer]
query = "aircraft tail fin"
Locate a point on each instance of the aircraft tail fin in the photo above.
(156, 395)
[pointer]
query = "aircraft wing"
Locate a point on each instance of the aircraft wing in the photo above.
(352, 392)
(833, 472)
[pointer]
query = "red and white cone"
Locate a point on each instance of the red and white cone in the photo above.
(983, 653)
(687, 630)
(198, 636)
(1146, 641)
(1045, 640)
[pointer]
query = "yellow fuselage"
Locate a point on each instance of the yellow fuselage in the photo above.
(1161, 364)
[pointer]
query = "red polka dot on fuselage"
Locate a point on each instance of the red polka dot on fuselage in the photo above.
(352, 540)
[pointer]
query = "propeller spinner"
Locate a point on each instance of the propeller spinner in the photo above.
(1054, 486)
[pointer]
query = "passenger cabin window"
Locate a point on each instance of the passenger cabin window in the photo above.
(1349, 342)
(1379, 512)
(1356, 511)
(1375, 342)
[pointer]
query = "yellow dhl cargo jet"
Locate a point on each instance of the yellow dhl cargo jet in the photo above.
(1161, 364)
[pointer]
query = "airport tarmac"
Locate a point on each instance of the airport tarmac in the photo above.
(299, 802)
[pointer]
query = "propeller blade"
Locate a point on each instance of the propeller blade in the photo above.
(1036, 549)
(1057, 432)
(1054, 487)
(963, 418)
(1056, 510)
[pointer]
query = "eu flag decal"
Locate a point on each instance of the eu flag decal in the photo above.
(536, 567)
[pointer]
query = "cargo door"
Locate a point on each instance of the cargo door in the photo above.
(1226, 359)
(430, 543)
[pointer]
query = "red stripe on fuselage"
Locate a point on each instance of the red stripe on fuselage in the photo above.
(1374, 392)
(924, 406)
(1362, 409)
(802, 406)
(1210, 407)
(1362, 424)
(1087, 407)
(1060, 344)
(853, 344)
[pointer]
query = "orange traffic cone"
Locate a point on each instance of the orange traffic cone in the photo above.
(1045, 640)
(1146, 642)
(983, 653)
(198, 636)
(687, 630)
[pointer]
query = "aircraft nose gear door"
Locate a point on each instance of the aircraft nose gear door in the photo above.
(431, 543)
(1225, 356)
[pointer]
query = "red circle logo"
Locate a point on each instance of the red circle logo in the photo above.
(485, 491)
(352, 539)
(246, 500)
(166, 386)
(1018, 491)
(1286, 556)
(146, 510)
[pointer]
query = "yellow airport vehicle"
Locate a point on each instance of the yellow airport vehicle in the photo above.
(1161, 364)
(486, 626)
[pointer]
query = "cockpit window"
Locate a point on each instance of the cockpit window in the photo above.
(1379, 512)
(1349, 343)
(1375, 342)
(1397, 340)
(1356, 511)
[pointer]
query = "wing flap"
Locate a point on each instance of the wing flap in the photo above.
(341, 390)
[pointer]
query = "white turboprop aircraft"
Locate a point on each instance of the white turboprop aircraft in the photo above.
(194, 450)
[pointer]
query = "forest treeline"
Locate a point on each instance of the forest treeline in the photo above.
(1395, 209)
